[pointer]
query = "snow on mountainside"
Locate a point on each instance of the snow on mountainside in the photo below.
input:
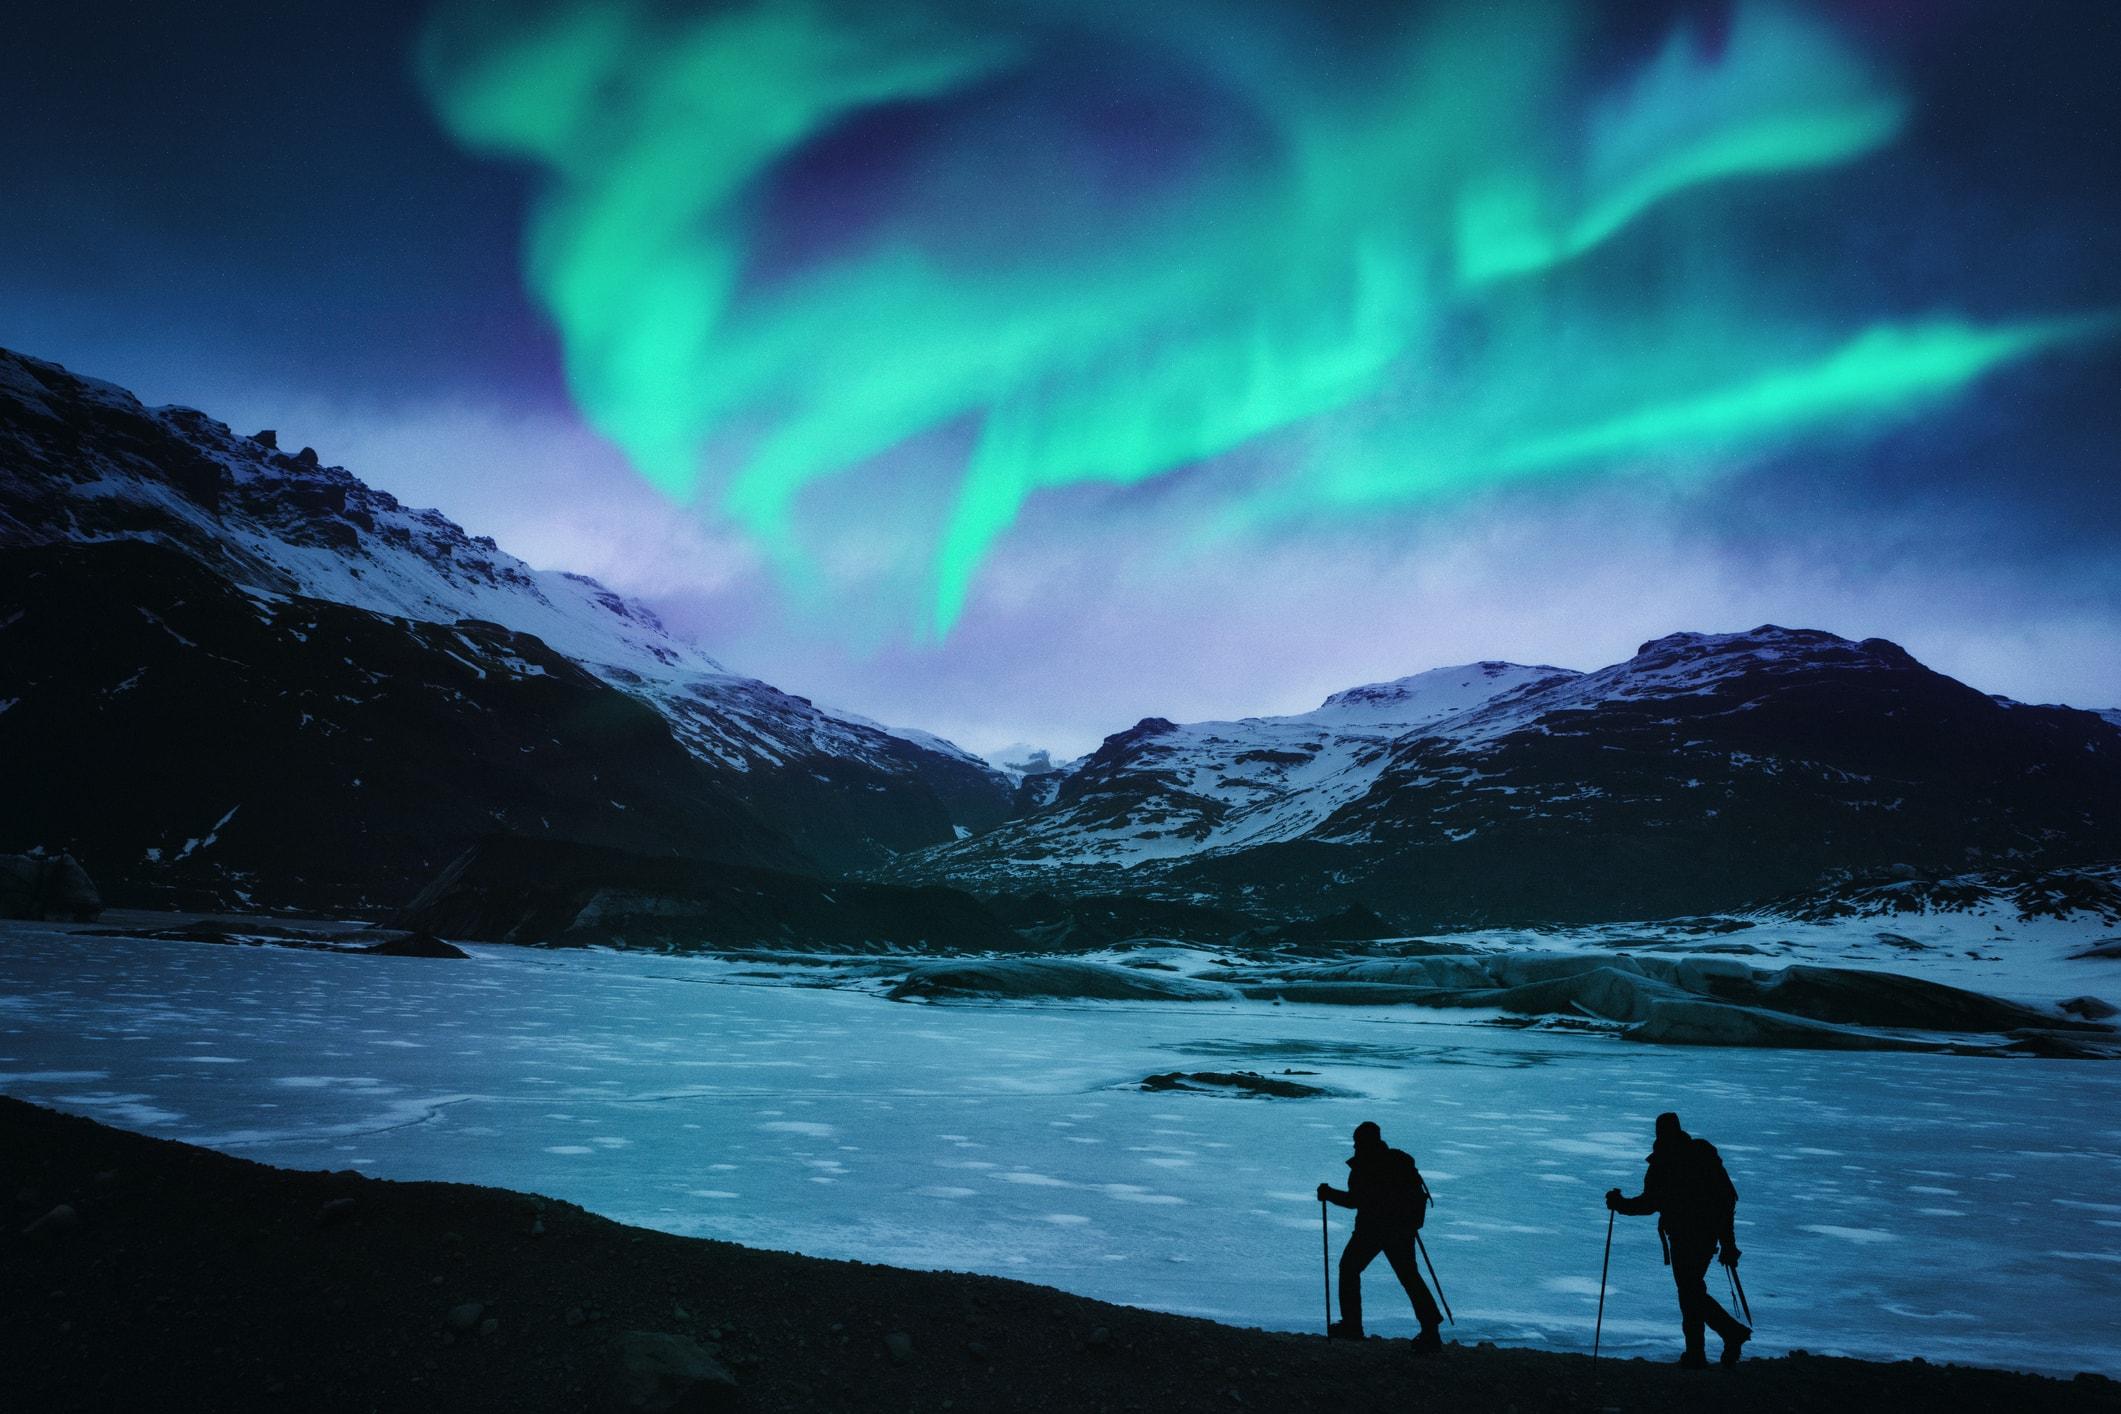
(2092, 893)
(84, 462)
(1159, 790)
(1021, 759)
(1706, 772)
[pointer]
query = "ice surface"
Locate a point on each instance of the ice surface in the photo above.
(1953, 1207)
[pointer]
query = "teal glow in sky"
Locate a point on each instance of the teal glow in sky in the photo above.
(793, 248)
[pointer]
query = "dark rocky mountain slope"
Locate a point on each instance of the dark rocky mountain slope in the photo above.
(233, 673)
(205, 747)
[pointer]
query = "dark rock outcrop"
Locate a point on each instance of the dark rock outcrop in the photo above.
(1049, 978)
(416, 945)
(1248, 1083)
(657, 1372)
(47, 887)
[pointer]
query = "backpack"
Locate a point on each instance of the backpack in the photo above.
(1412, 1188)
(1703, 1196)
(1719, 1194)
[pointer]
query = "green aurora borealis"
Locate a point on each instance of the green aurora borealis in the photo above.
(1055, 244)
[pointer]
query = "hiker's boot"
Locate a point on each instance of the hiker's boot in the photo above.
(1694, 1360)
(1732, 1344)
(1343, 1330)
(1429, 1342)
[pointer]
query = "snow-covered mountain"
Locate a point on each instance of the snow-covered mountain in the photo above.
(1706, 771)
(237, 672)
(1159, 790)
(85, 467)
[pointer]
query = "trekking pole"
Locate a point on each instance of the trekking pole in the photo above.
(1325, 1262)
(1423, 1248)
(1738, 1290)
(1598, 1334)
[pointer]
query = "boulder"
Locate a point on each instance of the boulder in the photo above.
(61, 1222)
(657, 1371)
(44, 887)
(416, 945)
(1239, 1082)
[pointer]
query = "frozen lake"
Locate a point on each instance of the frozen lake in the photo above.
(1952, 1207)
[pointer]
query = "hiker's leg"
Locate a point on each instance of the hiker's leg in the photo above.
(1719, 1320)
(1361, 1249)
(1407, 1267)
(1690, 1263)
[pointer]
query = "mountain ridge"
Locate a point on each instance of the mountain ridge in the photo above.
(86, 468)
(212, 619)
(1706, 771)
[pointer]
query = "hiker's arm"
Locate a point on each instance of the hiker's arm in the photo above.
(1339, 1199)
(1641, 1205)
(1730, 1245)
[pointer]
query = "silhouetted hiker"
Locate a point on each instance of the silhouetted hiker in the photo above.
(1390, 1201)
(1695, 1203)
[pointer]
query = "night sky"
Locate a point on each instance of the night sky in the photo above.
(1017, 370)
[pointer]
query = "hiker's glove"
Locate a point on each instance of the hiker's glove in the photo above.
(1730, 1255)
(1324, 1193)
(1612, 1199)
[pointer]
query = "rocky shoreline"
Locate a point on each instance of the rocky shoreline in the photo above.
(141, 1273)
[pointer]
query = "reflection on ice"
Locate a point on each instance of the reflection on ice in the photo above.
(1893, 1204)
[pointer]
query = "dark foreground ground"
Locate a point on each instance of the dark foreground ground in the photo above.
(189, 1279)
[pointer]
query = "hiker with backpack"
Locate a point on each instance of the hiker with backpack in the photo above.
(1390, 1201)
(1696, 1206)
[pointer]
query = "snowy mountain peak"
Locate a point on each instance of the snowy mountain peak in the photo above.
(1767, 644)
(1433, 695)
(1735, 671)
(1020, 759)
(286, 523)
